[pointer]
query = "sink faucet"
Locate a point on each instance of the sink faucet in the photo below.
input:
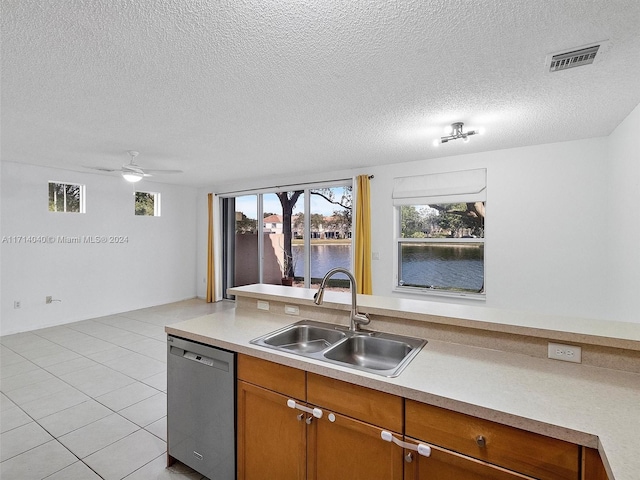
(357, 319)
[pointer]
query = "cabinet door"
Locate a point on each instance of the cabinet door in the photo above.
(447, 465)
(592, 466)
(271, 436)
(350, 449)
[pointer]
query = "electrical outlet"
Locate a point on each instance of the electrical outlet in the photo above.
(17, 304)
(291, 310)
(262, 305)
(566, 353)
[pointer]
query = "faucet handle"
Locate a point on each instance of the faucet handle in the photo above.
(317, 298)
(361, 318)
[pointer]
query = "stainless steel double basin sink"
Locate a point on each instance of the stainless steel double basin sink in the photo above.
(375, 352)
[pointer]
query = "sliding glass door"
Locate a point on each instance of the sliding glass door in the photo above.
(302, 233)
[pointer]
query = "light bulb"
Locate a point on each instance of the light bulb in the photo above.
(132, 177)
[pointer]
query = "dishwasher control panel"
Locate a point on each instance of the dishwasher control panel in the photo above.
(198, 358)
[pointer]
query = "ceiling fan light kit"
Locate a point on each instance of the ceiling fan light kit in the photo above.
(132, 172)
(455, 133)
(132, 177)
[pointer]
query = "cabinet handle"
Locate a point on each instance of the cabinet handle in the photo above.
(316, 412)
(421, 448)
(300, 417)
(481, 441)
(408, 457)
(309, 420)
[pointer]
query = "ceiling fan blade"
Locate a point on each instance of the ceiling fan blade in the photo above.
(102, 169)
(153, 172)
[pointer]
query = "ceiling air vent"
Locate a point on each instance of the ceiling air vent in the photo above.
(576, 57)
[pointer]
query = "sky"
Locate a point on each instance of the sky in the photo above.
(248, 204)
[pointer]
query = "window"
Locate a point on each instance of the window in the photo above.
(147, 203)
(441, 247)
(440, 232)
(303, 234)
(66, 197)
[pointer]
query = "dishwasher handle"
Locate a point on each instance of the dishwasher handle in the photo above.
(199, 358)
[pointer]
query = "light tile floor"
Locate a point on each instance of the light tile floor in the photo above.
(87, 400)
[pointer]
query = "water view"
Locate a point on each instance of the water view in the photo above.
(458, 267)
(323, 258)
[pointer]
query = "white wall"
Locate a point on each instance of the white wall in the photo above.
(157, 265)
(554, 244)
(623, 215)
(544, 242)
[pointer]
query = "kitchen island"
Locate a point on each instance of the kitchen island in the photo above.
(485, 363)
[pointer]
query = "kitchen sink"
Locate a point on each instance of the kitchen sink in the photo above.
(369, 352)
(304, 338)
(374, 352)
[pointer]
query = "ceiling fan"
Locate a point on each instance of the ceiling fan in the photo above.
(132, 172)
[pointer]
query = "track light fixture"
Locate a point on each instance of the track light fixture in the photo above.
(456, 132)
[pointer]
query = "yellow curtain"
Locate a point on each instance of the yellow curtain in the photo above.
(211, 271)
(363, 235)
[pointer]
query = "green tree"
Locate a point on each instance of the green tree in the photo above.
(245, 224)
(64, 197)
(144, 203)
(288, 201)
(316, 220)
(344, 200)
(457, 216)
(412, 221)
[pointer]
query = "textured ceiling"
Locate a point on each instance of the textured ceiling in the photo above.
(233, 89)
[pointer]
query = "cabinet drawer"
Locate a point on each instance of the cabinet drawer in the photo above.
(445, 464)
(365, 404)
(525, 452)
(273, 376)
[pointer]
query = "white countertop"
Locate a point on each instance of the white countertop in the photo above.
(595, 407)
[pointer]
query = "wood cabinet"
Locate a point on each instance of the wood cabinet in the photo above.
(343, 447)
(592, 465)
(271, 438)
(297, 425)
(510, 448)
(346, 442)
(277, 441)
(444, 464)
(371, 406)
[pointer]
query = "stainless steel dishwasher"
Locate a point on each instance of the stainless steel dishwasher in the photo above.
(201, 399)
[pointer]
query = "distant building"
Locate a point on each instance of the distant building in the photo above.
(330, 227)
(272, 224)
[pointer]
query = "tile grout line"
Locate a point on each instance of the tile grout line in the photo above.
(94, 335)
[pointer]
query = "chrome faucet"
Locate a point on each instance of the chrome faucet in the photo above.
(357, 319)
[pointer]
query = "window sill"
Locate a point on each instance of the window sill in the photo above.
(428, 292)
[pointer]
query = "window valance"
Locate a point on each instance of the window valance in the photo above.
(447, 187)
